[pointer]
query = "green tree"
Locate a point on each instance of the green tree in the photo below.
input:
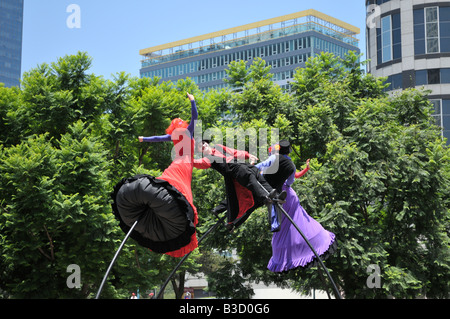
(237, 74)
(229, 282)
(51, 212)
(379, 193)
(57, 171)
(259, 98)
(378, 181)
(10, 127)
(54, 96)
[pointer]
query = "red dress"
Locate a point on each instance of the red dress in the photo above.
(179, 175)
(163, 205)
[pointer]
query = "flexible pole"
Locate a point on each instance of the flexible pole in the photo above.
(114, 259)
(338, 295)
(163, 287)
(323, 281)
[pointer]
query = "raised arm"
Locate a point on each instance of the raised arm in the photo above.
(194, 114)
(167, 137)
(291, 179)
(303, 172)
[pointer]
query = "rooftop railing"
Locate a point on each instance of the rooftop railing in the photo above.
(177, 53)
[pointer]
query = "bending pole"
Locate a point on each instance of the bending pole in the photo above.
(114, 259)
(323, 281)
(338, 295)
(163, 287)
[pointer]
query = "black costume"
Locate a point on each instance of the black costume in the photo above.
(285, 169)
(277, 169)
(246, 188)
(166, 218)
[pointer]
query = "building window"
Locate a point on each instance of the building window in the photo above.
(395, 82)
(446, 119)
(433, 76)
(444, 28)
(386, 39)
(432, 29)
(445, 75)
(389, 43)
(442, 116)
(437, 109)
(396, 36)
(419, 32)
(421, 77)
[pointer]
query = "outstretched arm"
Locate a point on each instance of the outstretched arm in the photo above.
(267, 163)
(161, 138)
(239, 154)
(202, 163)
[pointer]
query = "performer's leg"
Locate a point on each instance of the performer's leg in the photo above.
(273, 193)
(260, 185)
(264, 184)
(248, 177)
(274, 219)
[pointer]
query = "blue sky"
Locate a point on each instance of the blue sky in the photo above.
(113, 31)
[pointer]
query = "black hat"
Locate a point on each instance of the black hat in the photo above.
(285, 147)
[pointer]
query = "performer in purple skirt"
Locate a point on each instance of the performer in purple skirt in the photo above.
(289, 249)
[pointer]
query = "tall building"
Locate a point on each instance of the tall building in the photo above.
(408, 41)
(11, 25)
(284, 42)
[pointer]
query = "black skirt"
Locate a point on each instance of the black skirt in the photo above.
(165, 216)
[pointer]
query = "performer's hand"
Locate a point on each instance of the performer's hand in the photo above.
(307, 163)
(141, 138)
(253, 159)
(190, 96)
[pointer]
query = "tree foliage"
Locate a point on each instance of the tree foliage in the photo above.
(379, 179)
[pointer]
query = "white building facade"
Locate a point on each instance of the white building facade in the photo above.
(408, 41)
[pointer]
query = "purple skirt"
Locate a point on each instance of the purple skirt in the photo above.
(289, 249)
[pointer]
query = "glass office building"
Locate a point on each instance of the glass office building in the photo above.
(11, 24)
(285, 43)
(408, 41)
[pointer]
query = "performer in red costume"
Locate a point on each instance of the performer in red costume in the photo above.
(164, 205)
